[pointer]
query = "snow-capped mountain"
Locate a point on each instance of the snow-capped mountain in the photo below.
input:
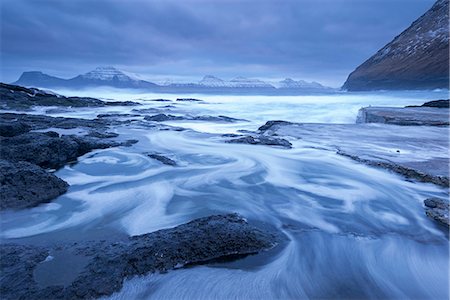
(243, 82)
(110, 76)
(212, 81)
(289, 83)
(238, 82)
(106, 73)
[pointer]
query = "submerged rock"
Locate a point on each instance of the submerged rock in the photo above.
(270, 124)
(197, 242)
(437, 209)
(24, 185)
(163, 159)
(261, 140)
(189, 100)
(162, 118)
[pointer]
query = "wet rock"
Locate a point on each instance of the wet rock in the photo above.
(261, 140)
(37, 122)
(24, 185)
(17, 263)
(408, 116)
(163, 159)
(437, 209)
(408, 172)
(161, 100)
(146, 111)
(13, 128)
(48, 149)
(270, 124)
(214, 119)
(197, 242)
(434, 103)
(162, 118)
(189, 100)
(18, 97)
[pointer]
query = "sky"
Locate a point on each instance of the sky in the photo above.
(314, 40)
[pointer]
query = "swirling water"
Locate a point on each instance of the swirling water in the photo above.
(354, 231)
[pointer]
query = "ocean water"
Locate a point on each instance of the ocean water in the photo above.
(354, 231)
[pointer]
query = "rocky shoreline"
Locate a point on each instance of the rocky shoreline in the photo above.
(32, 148)
(107, 265)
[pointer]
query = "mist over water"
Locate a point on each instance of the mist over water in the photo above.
(354, 231)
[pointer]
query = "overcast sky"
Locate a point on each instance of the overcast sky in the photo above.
(321, 40)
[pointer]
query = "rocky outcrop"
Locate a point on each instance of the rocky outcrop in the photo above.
(48, 149)
(163, 159)
(24, 153)
(407, 116)
(434, 103)
(24, 185)
(437, 209)
(261, 140)
(20, 98)
(418, 58)
(109, 264)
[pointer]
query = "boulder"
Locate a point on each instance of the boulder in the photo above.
(24, 185)
(437, 209)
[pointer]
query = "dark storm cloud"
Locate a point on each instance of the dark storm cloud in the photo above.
(313, 39)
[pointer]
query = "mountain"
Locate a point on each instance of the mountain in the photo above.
(36, 78)
(101, 76)
(212, 81)
(242, 82)
(110, 76)
(418, 58)
(289, 83)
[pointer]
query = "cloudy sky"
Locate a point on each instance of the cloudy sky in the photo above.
(320, 40)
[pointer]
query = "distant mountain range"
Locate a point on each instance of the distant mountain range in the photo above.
(110, 76)
(416, 59)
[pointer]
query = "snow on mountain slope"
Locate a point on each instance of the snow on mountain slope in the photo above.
(289, 83)
(107, 73)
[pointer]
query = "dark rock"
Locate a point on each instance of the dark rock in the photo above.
(437, 209)
(163, 159)
(49, 150)
(189, 100)
(161, 100)
(24, 185)
(13, 128)
(269, 125)
(214, 119)
(402, 170)
(434, 103)
(17, 97)
(261, 140)
(37, 122)
(418, 58)
(197, 242)
(162, 118)
(17, 263)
